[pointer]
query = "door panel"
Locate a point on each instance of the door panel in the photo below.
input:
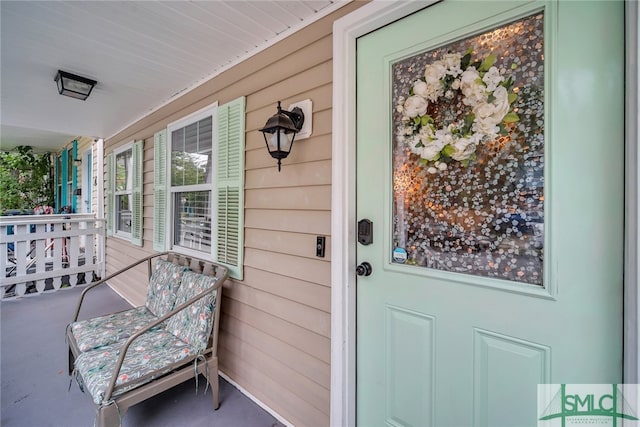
(442, 339)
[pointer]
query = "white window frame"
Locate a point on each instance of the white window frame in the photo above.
(210, 110)
(118, 233)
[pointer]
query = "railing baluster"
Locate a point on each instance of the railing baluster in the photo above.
(73, 246)
(39, 253)
(46, 251)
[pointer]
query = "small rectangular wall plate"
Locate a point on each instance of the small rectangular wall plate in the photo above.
(307, 108)
(320, 245)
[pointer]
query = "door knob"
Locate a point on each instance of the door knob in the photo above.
(364, 269)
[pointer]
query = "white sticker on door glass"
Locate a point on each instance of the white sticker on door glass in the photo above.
(468, 154)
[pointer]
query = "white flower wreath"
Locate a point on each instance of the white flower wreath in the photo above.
(485, 91)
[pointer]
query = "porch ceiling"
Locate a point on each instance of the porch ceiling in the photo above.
(142, 53)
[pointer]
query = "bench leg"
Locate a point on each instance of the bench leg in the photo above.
(109, 416)
(214, 382)
(71, 360)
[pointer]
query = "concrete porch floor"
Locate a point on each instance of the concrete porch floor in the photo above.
(33, 360)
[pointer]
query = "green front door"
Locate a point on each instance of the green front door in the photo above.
(494, 187)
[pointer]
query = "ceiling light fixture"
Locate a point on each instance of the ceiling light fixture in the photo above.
(73, 85)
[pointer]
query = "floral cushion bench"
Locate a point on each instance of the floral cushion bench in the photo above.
(123, 358)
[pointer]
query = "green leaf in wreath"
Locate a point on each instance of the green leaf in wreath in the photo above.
(467, 162)
(491, 98)
(423, 162)
(503, 130)
(448, 150)
(511, 117)
(425, 120)
(468, 122)
(512, 97)
(514, 66)
(507, 83)
(416, 120)
(466, 60)
(488, 62)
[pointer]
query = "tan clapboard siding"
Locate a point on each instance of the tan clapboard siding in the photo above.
(292, 406)
(303, 339)
(315, 320)
(299, 175)
(316, 395)
(120, 254)
(313, 222)
(308, 293)
(275, 326)
(287, 243)
(310, 270)
(296, 198)
(299, 361)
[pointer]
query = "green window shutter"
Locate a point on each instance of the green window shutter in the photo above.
(136, 193)
(74, 176)
(111, 176)
(159, 190)
(229, 187)
(65, 178)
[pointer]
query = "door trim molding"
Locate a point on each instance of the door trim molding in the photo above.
(343, 214)
(631, 354)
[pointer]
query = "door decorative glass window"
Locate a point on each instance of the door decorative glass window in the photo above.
(468, 155)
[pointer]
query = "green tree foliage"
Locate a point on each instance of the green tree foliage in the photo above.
(25, 179)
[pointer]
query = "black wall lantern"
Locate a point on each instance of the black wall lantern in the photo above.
(280, 131)
(74, 86)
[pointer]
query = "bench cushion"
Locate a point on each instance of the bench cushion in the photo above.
(164, 283)
(193, 324)
(101, 331)
(151, 355)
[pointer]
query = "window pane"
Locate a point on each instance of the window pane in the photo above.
(192, 220)
(124, 164)
(123, 213)
(191, 138)
(191, 154)
(469, 186)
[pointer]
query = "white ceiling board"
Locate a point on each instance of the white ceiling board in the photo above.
(142, 53)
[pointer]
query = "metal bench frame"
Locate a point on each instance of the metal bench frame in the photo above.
(110, 414)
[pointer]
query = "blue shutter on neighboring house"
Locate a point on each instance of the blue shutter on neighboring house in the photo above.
(136, 193)
(229, 186)
(110, 192)
(56, 177)
(74, 176)
(65, 177)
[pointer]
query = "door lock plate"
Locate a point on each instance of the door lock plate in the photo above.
(365, 232)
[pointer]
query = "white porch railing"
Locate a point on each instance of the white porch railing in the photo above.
(41, 253)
